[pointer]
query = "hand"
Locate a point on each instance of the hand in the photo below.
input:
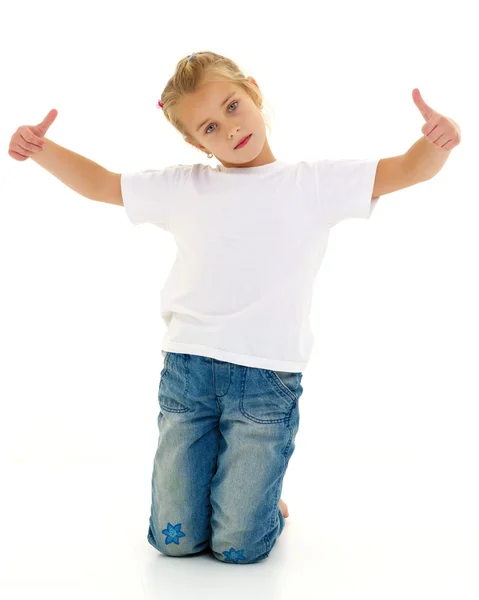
(441, 131)
(28, 139)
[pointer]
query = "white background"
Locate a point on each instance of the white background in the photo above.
(382, 487)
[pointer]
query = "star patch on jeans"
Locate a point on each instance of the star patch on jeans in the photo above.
(172, 533)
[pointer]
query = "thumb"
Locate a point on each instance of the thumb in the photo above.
(47, 121)
(426, 111)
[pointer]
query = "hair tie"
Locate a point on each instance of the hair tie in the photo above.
(159, 104)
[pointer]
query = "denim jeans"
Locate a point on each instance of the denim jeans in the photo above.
(226, 434)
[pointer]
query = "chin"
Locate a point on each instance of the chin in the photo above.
(251, 151)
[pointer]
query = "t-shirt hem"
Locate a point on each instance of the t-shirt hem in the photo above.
(258, 362)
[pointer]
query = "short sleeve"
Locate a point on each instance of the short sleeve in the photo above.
(345, 188)
(154, 195)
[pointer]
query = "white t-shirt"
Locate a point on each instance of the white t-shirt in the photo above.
(250, 242)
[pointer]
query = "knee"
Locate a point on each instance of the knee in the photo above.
(172, 544)
(234, 550)
(239, 556)
(240, 545)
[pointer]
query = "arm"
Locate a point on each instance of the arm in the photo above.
(393, 174)
(421, 162)
(425, 159)
(80, 174)
(441, 134)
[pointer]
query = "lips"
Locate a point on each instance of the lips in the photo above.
(242, 140)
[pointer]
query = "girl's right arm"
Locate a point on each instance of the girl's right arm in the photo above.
(80, 174)
(77, 172)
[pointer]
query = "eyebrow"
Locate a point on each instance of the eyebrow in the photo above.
(224, 102)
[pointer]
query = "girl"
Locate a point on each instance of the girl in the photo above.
(251, 234)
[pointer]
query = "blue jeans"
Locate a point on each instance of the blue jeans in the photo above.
(226, 434)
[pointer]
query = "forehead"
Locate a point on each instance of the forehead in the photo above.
(207, 98)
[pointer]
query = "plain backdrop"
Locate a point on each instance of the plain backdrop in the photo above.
(382, 487)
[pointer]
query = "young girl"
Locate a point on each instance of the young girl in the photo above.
(251, 234)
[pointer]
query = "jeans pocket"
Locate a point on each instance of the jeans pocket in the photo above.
(265, 398)
(171, 392)
(289, 382)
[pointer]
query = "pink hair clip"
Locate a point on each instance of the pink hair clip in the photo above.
(160, 105)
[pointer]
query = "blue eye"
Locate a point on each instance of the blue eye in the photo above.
(206, 130)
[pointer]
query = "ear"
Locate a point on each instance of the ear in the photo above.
(192, 143)
(253, 81)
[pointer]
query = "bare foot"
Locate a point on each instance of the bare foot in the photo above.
(284, 508)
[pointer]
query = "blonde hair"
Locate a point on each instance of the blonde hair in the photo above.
(191, 74)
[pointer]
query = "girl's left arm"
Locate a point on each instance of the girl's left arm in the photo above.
(425, 158)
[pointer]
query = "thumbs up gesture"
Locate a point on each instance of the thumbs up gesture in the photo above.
(439, 130)
(29, 139)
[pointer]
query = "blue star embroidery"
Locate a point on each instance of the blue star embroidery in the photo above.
(172, 533)
(234, 555)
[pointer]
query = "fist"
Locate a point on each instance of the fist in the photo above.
(29, 139)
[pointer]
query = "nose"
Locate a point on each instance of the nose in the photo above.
(233, 131)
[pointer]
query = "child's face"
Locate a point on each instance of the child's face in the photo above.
(217, 128)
